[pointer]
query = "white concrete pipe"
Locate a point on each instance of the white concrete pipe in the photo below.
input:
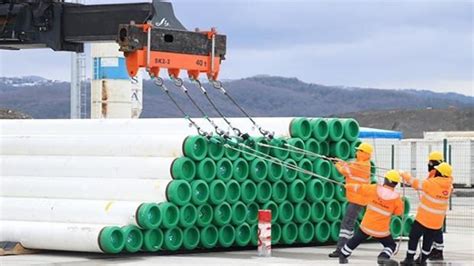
(63, 236)
(97, 166)
(158, 145)
(146, 190)
(144, 215)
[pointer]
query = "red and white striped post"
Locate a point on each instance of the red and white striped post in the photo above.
(264, 233)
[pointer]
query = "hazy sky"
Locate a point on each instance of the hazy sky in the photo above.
(383, 44)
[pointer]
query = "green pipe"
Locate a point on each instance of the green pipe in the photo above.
(262, 148)
(300, 128)
(248, 191)
(322, 232)
(249, 151)
(200, 192)
(333, 210)
(275, 171)
(276, 233)
(296, 191)
(318, 211)
(205, 215)
(183, 168)
(173, 239)
(224, 169)
(305, 232)
(191, 237)
(356, 226)
(111, 240)
(328, 191)
(335, 228)
(335, 175)
(215, 148)
(231, 153)
(302, 212)
(258, 170)
(195, 147)
(241, 169)
(179, 192)
(314, 190)
(254, 234)
(306, 165)
(279, 191)
(289, 174)
(152, 239)
(226, 235)
(233, 191)
(407, 205)
(322, 167)
(286, 212)
(209, 236)
(296, 154)
(187, 215)
(149, 216)
(354, 146)
(344, 206)
(395, 226)
(222, 214)
(206, 169)
(373, 167)
(133, 238)
(218, 192)
(279, 153)
(264, 191)
(270, 205)
(312, 146)
(361, 214)
(319, 129)
(340, 149)
(407, 225)
(239, 213)
(336, 130)
(289, 233)
(340, 193)
(242, 235)
(170, 214)
(252, 213)
(324, 148)
(351, 129)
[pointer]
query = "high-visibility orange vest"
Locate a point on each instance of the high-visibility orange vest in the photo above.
(356, 172)
(435, 192)
(382, 202)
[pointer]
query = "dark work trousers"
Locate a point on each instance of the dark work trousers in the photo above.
(347, 224)
(417, 231)
(388, 243)
(438, 242)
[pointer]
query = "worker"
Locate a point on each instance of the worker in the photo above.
(356, 172)
(434, 159)
(382, 202)
(435, 193)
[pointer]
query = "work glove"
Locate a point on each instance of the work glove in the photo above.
(406, 177)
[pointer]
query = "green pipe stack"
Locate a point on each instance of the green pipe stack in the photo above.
(217, 191)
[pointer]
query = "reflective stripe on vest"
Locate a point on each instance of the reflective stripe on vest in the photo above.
(436, 201)
(378, 210)
(375, 233)
(360, 179)
(434, 211)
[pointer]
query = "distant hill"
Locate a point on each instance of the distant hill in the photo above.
(259, 95)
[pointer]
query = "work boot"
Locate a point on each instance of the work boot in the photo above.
(343, 259)
(335, 254)
(420, 261)
(386, 261)
(436, 254)
(408, 261)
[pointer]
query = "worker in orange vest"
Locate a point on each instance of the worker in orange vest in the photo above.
(382, 202)
(356, 172)
(434, 159)
(431, 211)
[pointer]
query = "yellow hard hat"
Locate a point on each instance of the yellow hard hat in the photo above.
(435, 156)
(365, 147)
(393, 176)
(445, 169)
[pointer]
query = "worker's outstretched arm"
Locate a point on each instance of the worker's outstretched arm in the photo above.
(363, 189)
(415, 183)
